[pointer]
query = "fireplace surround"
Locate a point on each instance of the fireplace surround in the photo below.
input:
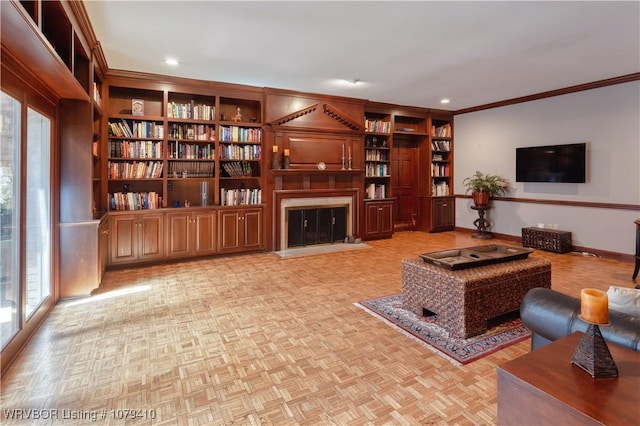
(297, 200)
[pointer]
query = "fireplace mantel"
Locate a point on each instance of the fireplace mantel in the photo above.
(303, 172)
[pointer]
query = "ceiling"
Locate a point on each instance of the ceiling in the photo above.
(408, 53)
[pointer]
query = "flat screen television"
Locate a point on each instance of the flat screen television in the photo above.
(552, 163)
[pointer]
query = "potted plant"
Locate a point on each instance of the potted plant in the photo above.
(482, 186)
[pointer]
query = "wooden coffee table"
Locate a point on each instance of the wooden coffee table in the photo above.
(465, 300)
(543, 387)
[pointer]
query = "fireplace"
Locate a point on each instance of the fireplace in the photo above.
(310, 226)
(328, 220)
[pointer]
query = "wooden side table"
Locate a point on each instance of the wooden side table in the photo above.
(544, 387)
(481, 223)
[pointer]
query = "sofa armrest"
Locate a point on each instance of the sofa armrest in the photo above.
(548, 313)
(551, 315)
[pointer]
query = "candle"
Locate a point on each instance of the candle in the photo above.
(594, 306)
(286, 152)
(275, 148)
(349, 152)
(342, 150)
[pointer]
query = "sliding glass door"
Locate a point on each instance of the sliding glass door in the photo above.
(38, 210)
(10, 139)
(26, 214)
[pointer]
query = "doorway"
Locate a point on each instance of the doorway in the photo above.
(404, 183)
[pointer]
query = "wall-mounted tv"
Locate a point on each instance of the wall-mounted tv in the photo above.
(552, 163)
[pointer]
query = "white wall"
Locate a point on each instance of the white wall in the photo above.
(608, 119)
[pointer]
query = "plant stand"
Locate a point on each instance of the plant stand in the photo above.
(481, 223)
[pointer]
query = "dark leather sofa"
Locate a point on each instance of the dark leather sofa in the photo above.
(551, 315)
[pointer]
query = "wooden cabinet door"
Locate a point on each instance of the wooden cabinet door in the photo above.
(151, 236)
(379, 219)
(385, 218)
(204, 232)
(178, 234)
(123, 238)
(443, 214)
(229, 231)
(372, 225)
(252, 229)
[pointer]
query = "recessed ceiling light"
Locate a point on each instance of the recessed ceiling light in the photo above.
(171, 61)
(444, 101)
(352, 81)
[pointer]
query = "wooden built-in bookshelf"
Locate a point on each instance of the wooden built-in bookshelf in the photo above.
(440, 159)
(171, 148)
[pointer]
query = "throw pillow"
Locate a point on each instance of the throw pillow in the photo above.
(623, 299)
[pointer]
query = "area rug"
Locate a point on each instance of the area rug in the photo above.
(457, 350)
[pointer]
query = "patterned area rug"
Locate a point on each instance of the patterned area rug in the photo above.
(458, 350)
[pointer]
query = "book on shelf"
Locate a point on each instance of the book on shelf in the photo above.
(96, 94)
(440, 189)
(135, 149)
(188, 169)
(119, 201)
(377, 126)
(442, 131)
(376, 155)
(441, 145)
(191, 110)
(440, 170)
(240, 134)
(198, 132)
(147, 129)
(376, 170)
(240, 152)
(137, 129)
(134, 169)
(239, 197)
(188, 151)
(237, 168)
(376, 191)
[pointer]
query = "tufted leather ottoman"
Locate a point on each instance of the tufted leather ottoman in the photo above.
(465, 300)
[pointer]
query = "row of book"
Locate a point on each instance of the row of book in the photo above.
(239, 197)
(191, 110)
(440, 145)
(134, 169)
(96, 94)
(376, 170)
(135, 149)
(237, 169)
(188, 169)
(240, 134)
(137, 129)
(181, 150)
(440, 170)
(376, 155)
(440, 189)
(377, 126)
(240, 152)
(443, 131)
(134, 201)
(198, 132)
(375, 192)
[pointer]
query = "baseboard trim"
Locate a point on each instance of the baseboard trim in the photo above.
(623, 257)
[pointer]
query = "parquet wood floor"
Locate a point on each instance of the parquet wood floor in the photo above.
(256, 339)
